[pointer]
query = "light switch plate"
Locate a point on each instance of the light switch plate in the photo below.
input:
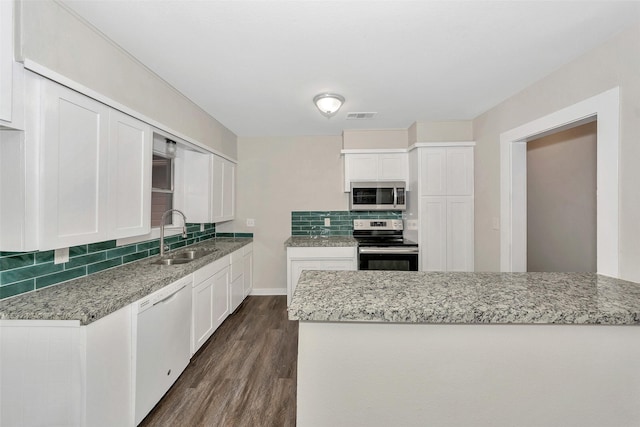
(327, 222)
(251, 222)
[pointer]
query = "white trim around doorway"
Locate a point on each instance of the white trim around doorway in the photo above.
(605, 108)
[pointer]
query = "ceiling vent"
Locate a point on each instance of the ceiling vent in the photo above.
(360, 116)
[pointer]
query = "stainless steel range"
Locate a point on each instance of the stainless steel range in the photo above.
(381, 245)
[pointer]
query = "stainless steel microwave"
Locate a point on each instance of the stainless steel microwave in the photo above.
(378, 196)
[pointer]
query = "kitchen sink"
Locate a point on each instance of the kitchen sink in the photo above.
(183, 257)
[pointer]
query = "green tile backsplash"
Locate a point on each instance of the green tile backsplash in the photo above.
(23, 272)
(311, 223)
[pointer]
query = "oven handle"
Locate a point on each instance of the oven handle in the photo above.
(388, 250)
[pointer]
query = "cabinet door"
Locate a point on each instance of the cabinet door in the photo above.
(74, 161)
(433, 246)
(6, 59)
(247, 273)
(459, 171)
(433, 168)
(237, 293)
(460, 231)
(229, 190)
(392, 166)
(197, 181)
(220, 297)
(360, 167)
(130, 156)
(203, 321)
(109, 370)
(224, 188)
(217, 185)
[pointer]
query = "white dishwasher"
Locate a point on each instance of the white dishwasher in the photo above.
(162, 343)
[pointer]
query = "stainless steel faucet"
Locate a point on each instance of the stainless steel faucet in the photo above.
(164, 217)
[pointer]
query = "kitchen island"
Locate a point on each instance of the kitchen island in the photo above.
(460, 349)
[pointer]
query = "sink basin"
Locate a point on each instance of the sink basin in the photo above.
(182, 257)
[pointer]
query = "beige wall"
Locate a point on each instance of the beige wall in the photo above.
(616, 63)
(51, 36)
(277, 176)
(379, 138)
(441, 131)
(561, 201)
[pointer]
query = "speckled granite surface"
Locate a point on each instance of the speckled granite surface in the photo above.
(470, 298)
(89, 298)
(320, 241)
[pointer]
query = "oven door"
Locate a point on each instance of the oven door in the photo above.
(388, 258)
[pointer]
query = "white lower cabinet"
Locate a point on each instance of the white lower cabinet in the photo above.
(247, 267)
(237, 279)
(57, 372)
(241, 275)
(317, 258)
(210, 300)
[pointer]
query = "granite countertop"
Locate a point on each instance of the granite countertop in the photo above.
(89, 298)
(320, 241)
(465, 298)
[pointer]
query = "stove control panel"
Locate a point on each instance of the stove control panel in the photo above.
(377, 224)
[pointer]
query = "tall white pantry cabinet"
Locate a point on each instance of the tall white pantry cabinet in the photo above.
(443, 201)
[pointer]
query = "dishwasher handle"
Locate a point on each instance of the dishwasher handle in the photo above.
(171, 295)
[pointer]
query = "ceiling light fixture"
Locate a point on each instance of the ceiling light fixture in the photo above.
(328, 103)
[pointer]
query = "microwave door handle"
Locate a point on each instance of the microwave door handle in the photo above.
(395, 196)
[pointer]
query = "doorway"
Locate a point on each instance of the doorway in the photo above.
(513, 179)
(561, 201)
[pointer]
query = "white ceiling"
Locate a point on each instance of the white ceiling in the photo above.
(256, 65)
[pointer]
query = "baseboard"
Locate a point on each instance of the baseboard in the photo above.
(268, 291)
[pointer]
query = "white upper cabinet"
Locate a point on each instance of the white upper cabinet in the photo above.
(81, 172)
(6, 60)
(377, 165)
(224, 187)
(197, 185)
(74, 138)
(130, 157)
(208, 187)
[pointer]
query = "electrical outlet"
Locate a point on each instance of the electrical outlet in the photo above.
(251, 222)
(327, 222)
(60, 256)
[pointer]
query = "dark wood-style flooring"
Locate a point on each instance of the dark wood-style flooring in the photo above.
(245, 375)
